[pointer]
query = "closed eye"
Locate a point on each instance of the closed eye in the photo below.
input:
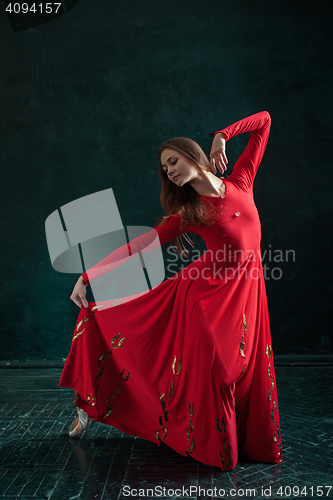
(172, 163)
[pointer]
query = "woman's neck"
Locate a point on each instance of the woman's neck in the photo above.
(208, 184)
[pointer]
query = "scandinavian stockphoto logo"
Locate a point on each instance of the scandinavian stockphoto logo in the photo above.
(84, 232)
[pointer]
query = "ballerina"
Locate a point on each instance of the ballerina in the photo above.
(191, 362)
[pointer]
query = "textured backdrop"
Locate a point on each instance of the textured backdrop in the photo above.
(87, 98)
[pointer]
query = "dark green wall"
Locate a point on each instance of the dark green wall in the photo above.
(87, 98)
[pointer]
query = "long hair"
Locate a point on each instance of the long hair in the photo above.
(185, 200)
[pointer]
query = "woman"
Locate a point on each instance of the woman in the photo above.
(190, 363)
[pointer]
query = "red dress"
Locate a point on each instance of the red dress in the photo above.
(190, 363)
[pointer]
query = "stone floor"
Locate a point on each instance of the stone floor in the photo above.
(39, 460)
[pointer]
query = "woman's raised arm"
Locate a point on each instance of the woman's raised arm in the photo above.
(247, 165)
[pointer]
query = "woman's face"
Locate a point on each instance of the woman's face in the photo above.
(177, 167)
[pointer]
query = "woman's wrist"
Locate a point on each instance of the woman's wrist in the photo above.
(221, 133)
(83, 281)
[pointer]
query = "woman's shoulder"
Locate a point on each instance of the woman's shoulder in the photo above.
(168, 219)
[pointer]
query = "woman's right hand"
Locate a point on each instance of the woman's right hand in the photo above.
(79, 293)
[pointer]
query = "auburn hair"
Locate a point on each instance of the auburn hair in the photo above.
(184, 200)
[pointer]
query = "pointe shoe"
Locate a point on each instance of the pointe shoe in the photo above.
(80, 423)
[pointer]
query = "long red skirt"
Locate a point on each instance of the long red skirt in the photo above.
(189, 363)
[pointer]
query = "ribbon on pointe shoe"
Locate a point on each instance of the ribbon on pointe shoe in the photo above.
(80, 423)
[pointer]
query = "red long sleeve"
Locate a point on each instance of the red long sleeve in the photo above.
(247, 165)
(169, 230)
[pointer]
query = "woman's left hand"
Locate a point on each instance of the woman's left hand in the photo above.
(217, 155)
